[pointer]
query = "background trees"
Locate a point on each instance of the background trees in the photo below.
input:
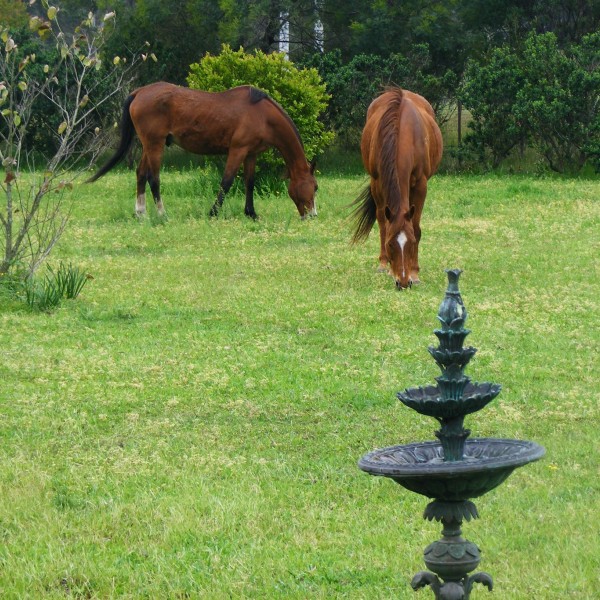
(358, 47)
(539, 94)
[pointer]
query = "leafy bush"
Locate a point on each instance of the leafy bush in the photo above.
(542, 94)
(559, 100)
(489, 91)
(299, 91)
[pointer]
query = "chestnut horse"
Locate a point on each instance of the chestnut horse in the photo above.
(241, 123)
(401, 148)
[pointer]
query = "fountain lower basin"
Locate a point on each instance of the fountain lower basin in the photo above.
(420, 467)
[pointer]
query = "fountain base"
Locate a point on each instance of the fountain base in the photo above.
(452, 558)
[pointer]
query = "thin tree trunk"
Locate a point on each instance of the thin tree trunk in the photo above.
(459, 124)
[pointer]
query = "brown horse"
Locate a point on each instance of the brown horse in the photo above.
(401, 149)
(241, 123)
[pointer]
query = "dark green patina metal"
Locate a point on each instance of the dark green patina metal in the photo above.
(455, 469)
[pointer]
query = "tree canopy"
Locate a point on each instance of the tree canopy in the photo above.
(430, 47)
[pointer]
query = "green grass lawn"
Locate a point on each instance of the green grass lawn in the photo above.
(189, 427)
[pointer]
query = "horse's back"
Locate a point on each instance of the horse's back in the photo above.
(419, 139)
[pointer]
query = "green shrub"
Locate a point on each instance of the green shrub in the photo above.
(559, 100)
(542, 94)
(299, 91)
(489, 91)
(69, 279)
(42, 294)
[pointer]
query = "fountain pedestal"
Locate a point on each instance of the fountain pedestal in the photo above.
(454, 469)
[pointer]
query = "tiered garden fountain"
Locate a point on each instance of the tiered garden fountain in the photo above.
(455, 469)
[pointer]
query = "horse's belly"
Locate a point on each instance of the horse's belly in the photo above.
(198, 144)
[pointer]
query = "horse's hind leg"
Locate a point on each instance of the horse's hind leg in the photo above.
(154, 158)
(234, 160)
(148, 172)
(142, 178)
(383, 255)
(249, 169)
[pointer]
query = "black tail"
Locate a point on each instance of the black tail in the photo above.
(127, 135)
(364, 215)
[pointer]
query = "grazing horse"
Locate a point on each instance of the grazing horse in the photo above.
(401, 148)
(241, 123)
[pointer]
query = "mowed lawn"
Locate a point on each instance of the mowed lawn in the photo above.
(190, 426)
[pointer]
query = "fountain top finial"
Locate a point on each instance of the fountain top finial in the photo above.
(452, 313)
(453, 275)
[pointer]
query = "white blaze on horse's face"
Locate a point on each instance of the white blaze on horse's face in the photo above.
(400, 248)
(402, 239)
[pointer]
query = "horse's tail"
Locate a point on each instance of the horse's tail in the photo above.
(363, 215)
(127, 134)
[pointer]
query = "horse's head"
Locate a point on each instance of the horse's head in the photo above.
(302, 190)
(401, 246)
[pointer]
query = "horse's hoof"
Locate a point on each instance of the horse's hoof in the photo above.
(382, 270)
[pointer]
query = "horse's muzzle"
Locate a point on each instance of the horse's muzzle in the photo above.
(312, 213)
(400, 286)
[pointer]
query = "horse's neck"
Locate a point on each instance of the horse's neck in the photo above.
(296, 164)
(290, 147)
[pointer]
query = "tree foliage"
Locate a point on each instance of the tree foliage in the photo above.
(540, 93)
(357, 46)
(354, 85)
(489, 92)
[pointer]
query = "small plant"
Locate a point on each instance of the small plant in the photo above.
(42, 294)
(69, 280)
(45, 294)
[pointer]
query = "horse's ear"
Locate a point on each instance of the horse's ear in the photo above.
(313, 165)
(388, 213)
(410, 213)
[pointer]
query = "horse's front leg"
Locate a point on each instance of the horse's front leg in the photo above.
(234, 161)
(417, 199)
(249, 170)
(383, 255)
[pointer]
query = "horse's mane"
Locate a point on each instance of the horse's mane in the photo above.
(257, 95)
(365, 211)
(387, 134)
